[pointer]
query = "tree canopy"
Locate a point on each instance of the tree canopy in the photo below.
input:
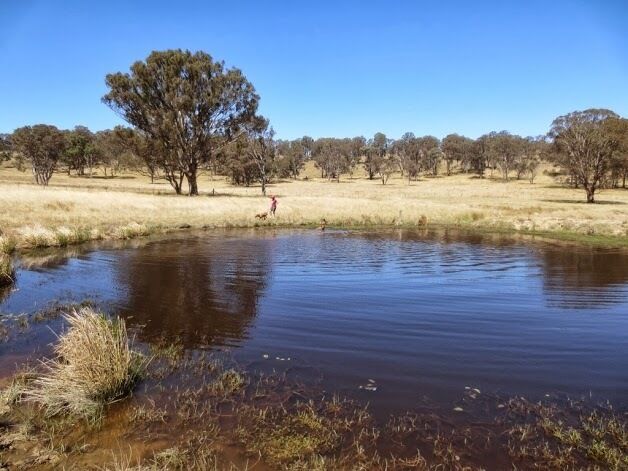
(188, 103)
(42, 145)
(585, 146)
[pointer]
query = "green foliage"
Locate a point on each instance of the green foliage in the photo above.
(585, 146)
(42, 145)
(81, 151)
(187, 104)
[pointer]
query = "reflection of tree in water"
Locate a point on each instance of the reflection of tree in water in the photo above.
(577, 277)
(203, 292)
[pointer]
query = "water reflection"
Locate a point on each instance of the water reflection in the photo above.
(422, 312)
(201, 293)
(582, 277)
(574, 276)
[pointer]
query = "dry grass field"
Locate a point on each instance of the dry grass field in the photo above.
(74, 209)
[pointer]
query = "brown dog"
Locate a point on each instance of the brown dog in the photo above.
(262, 216)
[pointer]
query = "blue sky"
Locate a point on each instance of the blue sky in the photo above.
(341, 68)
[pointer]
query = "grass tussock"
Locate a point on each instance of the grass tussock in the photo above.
(94, 366)
(7, 273)
(7, 244)
(32, 237)
(130, 231)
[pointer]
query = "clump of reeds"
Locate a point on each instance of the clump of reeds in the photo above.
(94, 365)
(37, 236)
(69, 236)
(7, 244)
(7, 273)
(130, 231)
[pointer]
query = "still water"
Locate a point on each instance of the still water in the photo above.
(419, 314)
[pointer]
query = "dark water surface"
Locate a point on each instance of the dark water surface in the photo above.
(421, 314)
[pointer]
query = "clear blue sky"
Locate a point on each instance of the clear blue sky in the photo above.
(340, 68)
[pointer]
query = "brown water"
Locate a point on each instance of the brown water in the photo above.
(420, 314)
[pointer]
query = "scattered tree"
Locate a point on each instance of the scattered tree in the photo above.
(456, 148)
(331, 156)
(585, 146)
(386, 168)
(408, 154)
(375, 152)
(504, 148)
(261, 148)
(81, 151)
(5, 147)
(618, 128)
(118, 150)
(188, 104)
(42, 145)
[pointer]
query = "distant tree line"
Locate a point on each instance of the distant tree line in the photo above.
(189, 113)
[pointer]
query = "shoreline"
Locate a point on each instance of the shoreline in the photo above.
(50, 238)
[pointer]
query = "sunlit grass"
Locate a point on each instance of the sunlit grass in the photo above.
(7, 273)
(94, 365)
(75, 209)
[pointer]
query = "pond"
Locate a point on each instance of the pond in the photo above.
(398, 318)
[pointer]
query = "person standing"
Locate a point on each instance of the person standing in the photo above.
(273, 205)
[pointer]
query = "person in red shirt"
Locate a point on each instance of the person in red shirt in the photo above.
(273, 205)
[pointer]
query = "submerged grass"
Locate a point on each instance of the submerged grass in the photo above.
(198, 411)
(556, 438)
(286, 437)
(94, 366)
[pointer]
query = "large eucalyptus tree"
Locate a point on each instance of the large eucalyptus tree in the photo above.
(585, 146)
(188, 104)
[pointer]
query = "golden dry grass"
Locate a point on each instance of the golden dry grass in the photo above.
(6, 270)
(75, 209)
(94, 365)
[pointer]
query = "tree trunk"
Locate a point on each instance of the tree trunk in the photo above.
(590, 194)
(192, 184)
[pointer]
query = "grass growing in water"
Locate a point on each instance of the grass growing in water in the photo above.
(94, 366)
(199, 411)
(6, 270)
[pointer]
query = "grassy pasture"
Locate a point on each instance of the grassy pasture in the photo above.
(75, 209)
